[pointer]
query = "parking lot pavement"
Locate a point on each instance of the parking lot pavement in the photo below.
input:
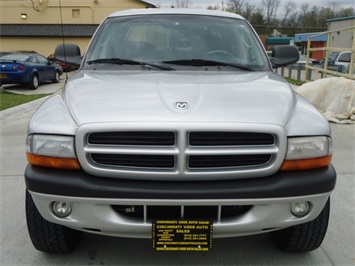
(16, 248)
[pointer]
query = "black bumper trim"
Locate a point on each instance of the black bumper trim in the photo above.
(80, 184)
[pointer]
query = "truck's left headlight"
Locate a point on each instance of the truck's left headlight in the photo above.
(52, 151)
(307, 153)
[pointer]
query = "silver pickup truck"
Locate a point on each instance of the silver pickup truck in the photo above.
(177, 129)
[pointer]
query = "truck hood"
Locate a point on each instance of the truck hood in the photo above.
(232, 97)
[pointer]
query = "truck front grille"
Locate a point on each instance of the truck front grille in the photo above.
(180, 153)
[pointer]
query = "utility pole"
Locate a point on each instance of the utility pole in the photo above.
(222, 6)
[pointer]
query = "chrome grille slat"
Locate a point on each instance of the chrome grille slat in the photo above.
(131, 150)
(145, 220)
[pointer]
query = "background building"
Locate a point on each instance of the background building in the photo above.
(39, 25)
(301, 40)
(342, 39)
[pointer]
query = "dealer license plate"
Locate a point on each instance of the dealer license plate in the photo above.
(182, 235)
(3, 76)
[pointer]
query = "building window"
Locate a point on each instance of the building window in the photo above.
(76, 13)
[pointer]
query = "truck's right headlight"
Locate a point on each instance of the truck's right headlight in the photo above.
(307, 153)
(52, 151)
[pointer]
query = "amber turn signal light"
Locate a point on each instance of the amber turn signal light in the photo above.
(53, 162)
(304, 164)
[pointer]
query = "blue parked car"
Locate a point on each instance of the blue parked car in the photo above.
(28, 68)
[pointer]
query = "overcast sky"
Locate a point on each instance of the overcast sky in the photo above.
(206, 3)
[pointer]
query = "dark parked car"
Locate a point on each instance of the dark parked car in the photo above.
(64, 66)
(27, 68)
(4, 53)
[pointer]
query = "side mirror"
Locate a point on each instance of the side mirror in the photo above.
(284, 55)
(68, 53)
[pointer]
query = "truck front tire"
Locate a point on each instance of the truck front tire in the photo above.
(46, 236)
(303, 237)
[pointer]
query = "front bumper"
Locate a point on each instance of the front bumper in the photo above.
(94, 200)
(80, 184)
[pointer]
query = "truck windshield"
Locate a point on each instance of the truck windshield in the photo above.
(167, 39)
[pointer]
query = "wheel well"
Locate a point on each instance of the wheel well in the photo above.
(35, 73)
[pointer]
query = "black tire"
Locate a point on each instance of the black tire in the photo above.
(46, 236)
(303, 237)
(56, 77)
(34, 82)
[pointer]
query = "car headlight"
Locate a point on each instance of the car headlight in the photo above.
(52, 151)
(307, 153)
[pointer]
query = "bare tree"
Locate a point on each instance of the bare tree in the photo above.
(306, 18)
(271, 7)
(290, 8)
(305, 8)
(334, 6)
(182, 4)
(236, 6)
(249, 11)
(347, 12)
(214, 7)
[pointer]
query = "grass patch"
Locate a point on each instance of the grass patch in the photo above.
(9, 99)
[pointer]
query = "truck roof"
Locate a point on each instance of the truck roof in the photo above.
(150, 11)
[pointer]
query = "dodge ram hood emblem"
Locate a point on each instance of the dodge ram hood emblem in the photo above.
(181, 105)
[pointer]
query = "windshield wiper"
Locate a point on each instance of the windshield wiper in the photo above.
(121, 61)
(203, 62)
